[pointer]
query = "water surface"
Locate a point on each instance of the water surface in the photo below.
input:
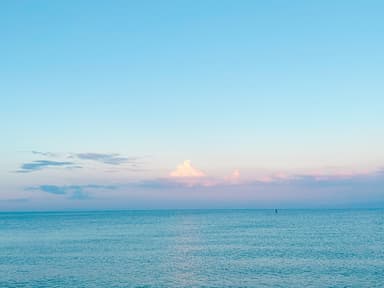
(193, 248)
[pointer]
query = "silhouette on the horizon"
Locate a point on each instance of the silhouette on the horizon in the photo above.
(275, 211)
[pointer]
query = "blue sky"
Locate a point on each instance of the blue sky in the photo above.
(256, 94)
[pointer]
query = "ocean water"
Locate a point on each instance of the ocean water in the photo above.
(193, 248)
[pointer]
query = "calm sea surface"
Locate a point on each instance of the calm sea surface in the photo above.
(206, 248)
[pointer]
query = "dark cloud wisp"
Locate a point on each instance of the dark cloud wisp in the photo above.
(72, 191)
(112, 159)
(41, 164)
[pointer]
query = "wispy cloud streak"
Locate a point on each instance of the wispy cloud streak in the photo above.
(112, 158)
(41, 164)
(72, 191)
(45, 154)
(78, 160)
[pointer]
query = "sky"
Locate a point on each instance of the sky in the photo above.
(191, 104)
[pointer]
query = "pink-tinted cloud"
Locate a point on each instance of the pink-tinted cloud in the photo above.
(186, 170)
(234, 177)
(296, 191)
(334, 173)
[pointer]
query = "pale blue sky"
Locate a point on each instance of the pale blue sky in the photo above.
(265, 87)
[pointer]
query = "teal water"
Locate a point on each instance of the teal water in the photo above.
(205, 248)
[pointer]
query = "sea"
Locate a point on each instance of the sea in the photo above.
(193, 248)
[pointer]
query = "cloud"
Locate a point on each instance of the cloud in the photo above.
(186, 170)
(112, 159)
(79, 160)
(15, 200)
(159, 184)
(46, 154)
(363, 190)
(234, 177)
(359, 190)
(78, 192)
(188, 175)
(41, 164)
(52, 189)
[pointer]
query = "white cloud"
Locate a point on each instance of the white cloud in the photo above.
(186, 170)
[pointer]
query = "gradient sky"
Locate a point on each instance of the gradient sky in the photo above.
(274, 104)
